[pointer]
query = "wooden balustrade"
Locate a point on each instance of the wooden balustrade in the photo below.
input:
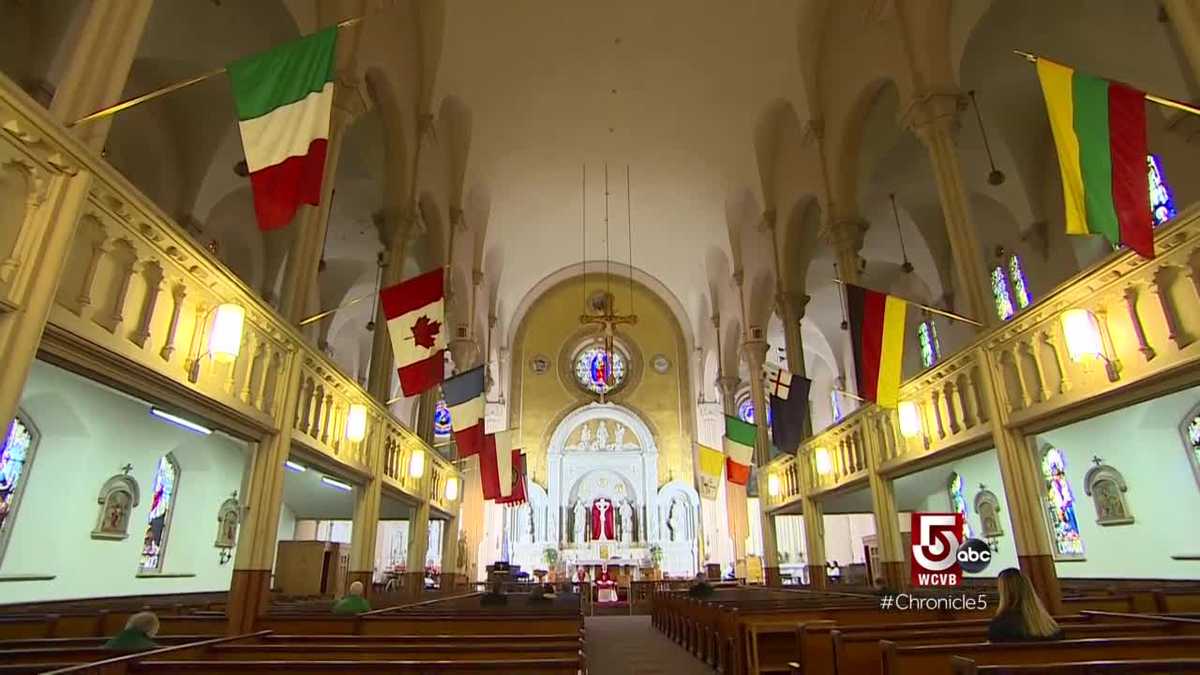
(137, 289)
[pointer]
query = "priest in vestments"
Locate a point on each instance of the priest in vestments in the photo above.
(606, 587)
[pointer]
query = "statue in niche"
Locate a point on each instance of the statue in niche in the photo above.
(601, 437)
(1106, 486)
(619, 438)
(118, 497)
(229, 516)
(626, 522)
(675, 520)
(580, 521)
(987, 505)
(585, 437)
(461, 561)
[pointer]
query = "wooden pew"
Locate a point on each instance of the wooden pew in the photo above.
(935, 659)
(964, 666)
(507, 667)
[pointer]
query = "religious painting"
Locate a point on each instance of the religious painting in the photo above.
(1106, 486)
(229, 517)
(1190, 428)
(162, 506)
(442, 427)
(1059, 500)
(15, 457)
(118, 497)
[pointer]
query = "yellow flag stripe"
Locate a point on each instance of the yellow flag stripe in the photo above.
(892, 353)
(712, 461)
(1060, 106)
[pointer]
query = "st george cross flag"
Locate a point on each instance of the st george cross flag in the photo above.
(739, 449)
(495, 465)
(778, 380)
(788, 415)
(415, 312)
(517, 494)
(464, 398)
(283, 98)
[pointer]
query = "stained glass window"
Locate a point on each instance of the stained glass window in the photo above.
(1016, 277)
(1000, 294)
(14, 463)
(836, 405)
(441, 421)
(958, 501)
(1193, 432)
(1162, 202)
(1060, 506)
(746, 411)
(931, 350)
(600, 371)
(166, 479)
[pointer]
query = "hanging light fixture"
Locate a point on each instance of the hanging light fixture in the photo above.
(995, 176)
(907, 266)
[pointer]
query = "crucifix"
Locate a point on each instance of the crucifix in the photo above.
(608, 321)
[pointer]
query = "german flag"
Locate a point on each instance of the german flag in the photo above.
(877, 334)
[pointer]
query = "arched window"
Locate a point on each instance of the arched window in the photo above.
(958, 501)
(931, 349)
(835, 402)
(162, 506)
(1191, 440)
(1059, 499)
(15, 457)
(441, 422)
(1010, 288)
(745, 410)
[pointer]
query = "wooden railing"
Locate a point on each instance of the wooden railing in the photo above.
(784, 474)
(137, 289)
(1146, 314)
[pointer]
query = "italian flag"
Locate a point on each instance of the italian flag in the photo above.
(877, 336)
(1099, 131)
(739, 442)
(283, 98)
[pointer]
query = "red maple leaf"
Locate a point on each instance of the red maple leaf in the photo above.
(425, 332)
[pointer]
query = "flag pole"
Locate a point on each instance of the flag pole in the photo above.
(321, 315)
(935, 310)
(1153, 98)
(856, 397)
(163, 91)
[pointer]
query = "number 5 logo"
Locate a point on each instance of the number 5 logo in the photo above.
(935, 541)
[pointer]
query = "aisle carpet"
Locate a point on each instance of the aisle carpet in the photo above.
(629, 645)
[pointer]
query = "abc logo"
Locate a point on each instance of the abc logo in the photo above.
(974, 555)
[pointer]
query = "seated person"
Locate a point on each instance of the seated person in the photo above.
(354, 602)
(1021, 616)
(701, 588)
(494, 596)
(138, 634)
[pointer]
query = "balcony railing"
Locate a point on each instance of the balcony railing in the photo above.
(1140, 336)
(137, 290)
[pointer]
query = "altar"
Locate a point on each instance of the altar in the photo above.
(602, 504)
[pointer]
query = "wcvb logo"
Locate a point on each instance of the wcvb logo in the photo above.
(940, 552)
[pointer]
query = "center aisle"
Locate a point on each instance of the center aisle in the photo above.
(629, 645)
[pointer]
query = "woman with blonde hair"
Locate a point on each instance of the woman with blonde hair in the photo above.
(1021, 615)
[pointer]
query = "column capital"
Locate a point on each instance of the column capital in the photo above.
(845, 233)
(739, 277)
(934, 111)
(477, 279)
(813, 130)
(728, 384)
(792, 303)
(463, 350)
(769, 217)
(755, 352)
(456, 218)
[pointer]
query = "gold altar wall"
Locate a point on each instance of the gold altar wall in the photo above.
(551, 329)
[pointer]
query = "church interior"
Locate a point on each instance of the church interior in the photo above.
(451, 336)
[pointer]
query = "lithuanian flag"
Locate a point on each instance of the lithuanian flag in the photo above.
(877, 334)
(739, 449)
(283, 98)
(1099, 131)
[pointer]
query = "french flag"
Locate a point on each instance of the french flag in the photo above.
(415, 311)
(464, 398)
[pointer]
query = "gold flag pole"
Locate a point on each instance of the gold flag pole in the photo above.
(935, 310)
(1153, 98)
(163, 91)
(321, 315)
(856, 397)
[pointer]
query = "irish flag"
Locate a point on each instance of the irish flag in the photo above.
(877, 335)
(739, 442)
(283, 98)
(1099, 131)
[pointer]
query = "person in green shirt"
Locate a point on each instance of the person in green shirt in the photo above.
(136, 637)
(354, 602)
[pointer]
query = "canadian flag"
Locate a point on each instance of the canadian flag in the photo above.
(415, 311)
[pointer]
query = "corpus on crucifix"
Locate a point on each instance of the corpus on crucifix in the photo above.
(607, 320)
